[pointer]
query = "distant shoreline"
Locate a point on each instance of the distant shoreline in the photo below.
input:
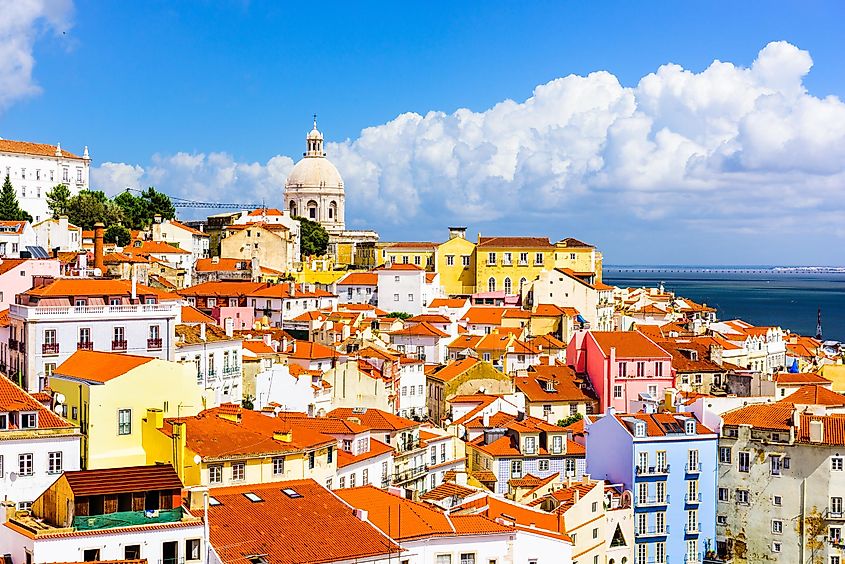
(679, 269)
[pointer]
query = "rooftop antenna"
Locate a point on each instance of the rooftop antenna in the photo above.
(315, 121)
(819, 325)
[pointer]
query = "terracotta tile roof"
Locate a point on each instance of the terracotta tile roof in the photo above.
(119, 258)
(515, 242)
(801, 378)
(13, 398)
(661, 424)
(547, 342)
(428, 317)
(564, 387)
(481, 315)
(191, 335)
(377, 448)
(451, 303)
(257, 347)
(154, 248)
(17, 226)
(215, 437)
(814, 395)
(284, 528)
(264, 211)
(483, 476)
(7, 264)
(418, 245)
(99, 367)
(4, 318)
(516, 313)
(465, 342)
(682, 360)
(309, 350)
(107, 481)
(373, 419)
(456, 368)
(359, 279)
(222, 289)
(219, 264)
(447, 490)
(187, 228)
(28, 148)
(81, 287)
(193, 315)
(628, 344)
(405, 520)
(525, 518)
(423, 329)
(549, 310)
(833, 427)
(527, 481)
(399, 266)
(573, 242)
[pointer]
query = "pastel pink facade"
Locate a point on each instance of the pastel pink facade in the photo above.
(243, 318)
(621, 366)
(16, 276)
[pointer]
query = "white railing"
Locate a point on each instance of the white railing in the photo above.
(34, 312)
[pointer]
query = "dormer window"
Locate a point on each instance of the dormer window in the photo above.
(29, 420)
(550, 386)
(530, 445)
(4, 421)
(557, 444)
(689, 426)
(693, 355)
(639, 429)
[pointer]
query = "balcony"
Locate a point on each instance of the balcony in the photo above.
(831, 515)
(692, 530)
(693, 468)
(652, 470)
(692, 499)
(127, 519)
(50, 348)
(652, 501)
(652, 532)
(231, 370)
(13, 344)
(128, 311)
(118, 346)
(85, 346)
(154, 344)
(410, 474)
(692, 559)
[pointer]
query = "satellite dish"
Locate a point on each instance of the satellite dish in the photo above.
(59, 397)
(197, 459)
(59, 409)
(277, 410)
(13, 476)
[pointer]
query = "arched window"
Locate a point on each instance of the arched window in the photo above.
(293, 208)
(491, 284)
(312, 210)
(507, 285)
(522, 282)
(333, 210)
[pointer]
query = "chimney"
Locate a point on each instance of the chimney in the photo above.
(576, 495)
(292, 289)
(267, 338)
(63, 223)
(134, 282)
(156, 417)
(98, 247)
(361, 514)
(486, 420)
(285, 436)
(202, 331)
(229, 324)
(196, 497)
(461, 478)
(816, 431)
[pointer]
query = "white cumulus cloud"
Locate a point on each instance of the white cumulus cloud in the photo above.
(731, 148)
(21, 23)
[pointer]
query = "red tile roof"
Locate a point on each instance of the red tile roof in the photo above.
(81, 287)
(400, 266)
(315, 528)
(451, 303)
(99, 367)
(218, 264)
(373, 419)
(456, 368)
(187, 228)
(516, 242)
(801, 378)
(628, 344)
(423, 329)
(106, 481)
(833, 428)
(814, 395)
(224, 289)
(13, 398)
(309, 350)
(154, 248)
(193, 315)
(661, 424)
(564, 388)
(359, 279)
(481, 315)
(28, 148)
(377, 448)
(448, 490)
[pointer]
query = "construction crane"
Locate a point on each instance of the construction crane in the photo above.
(184, 203)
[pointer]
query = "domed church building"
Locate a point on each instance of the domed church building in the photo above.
(314, 190)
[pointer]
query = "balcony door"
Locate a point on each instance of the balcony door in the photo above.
(170, 552)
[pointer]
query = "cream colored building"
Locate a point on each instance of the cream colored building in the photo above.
(563, 287)
(108, 395)
(271, 244)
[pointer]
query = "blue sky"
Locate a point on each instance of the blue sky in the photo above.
(212, 98)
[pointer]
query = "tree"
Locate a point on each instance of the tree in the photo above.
(314, 239)
(92, 206)
(157, 203)
(118, 235)
(399, 315)
(139, 211)
(134, 214)
(9, 208)
(569, 420)
(58, 199)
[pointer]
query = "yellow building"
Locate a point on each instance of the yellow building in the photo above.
(273, 244)
(508, 263)
(579, 257)
(108, 394)
(409, 252)
(455, 263)
(229, 445)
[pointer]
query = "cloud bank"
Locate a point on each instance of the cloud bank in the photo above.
(21, 23)
(735, 149)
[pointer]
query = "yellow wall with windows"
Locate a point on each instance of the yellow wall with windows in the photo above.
(169, 386)
(424, 258)
(579, 259)
(499, 268)
(456, 278)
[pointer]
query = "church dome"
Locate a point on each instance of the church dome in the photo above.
(314, 172)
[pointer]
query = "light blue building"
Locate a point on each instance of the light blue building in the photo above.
(668, 462)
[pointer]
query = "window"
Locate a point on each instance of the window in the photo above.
(507, 285)
(330, 455)
(443, 452)
(775, 465)
(516, 469)
(658, 369)
(192, 549)
(692, 520)
(311, 459)
(467, 558)
(238, 471)
(417, 260)
(395, 297)
(443, 559)
(132, 551)
(491, 258)
(777, 500)
(28, 421)
(89, 554)
(342, 482)
(692, 548)
(836, 505)
(215, 474)
(557, 444)
(692, 459)
(450, 260)
(836, 463)
(365, 477)
(410, 297)
(622, 369)
(538, 258)
(530, 445)
(661, 492)
(464, 260)
(507, 259)
(278, 465)
(642, 552)
(836, 534)
(543, 465)
(352, 480)
(617, 391)
(25, 464)
(742, 497)
(721, 519)
(724, 455)
(569, 467)
(776, 546)
(640, 369)
(660, 521)
(124, 421)
(54, 462)
(491, 284)
(777, 526)
(724, 494)
(744, 461)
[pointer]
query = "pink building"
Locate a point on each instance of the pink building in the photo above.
(16, 276)
(243, 318)
(622, 366)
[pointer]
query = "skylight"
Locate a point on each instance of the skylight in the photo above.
(252, 497)
(291, 493)
(213, 501)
